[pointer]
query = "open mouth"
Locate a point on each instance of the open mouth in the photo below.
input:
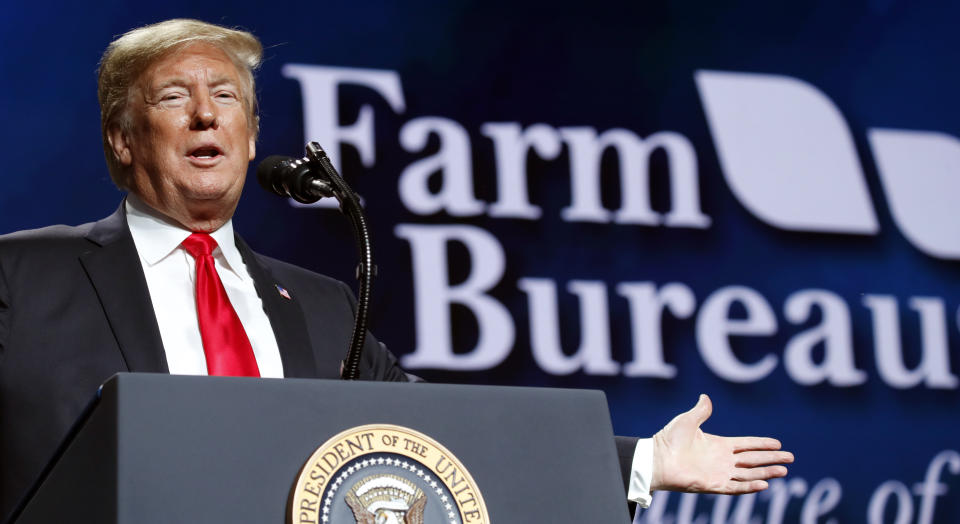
(205, 153)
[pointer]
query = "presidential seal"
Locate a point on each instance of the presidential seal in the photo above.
(385, 474)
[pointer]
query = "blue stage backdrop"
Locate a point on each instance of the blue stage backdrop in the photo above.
(754, 201)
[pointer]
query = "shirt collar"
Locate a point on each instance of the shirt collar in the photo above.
(156, 236)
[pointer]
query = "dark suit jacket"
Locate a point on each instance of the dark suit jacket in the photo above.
(75, 309)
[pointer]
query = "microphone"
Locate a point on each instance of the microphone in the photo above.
(297, 178)
(307, 180)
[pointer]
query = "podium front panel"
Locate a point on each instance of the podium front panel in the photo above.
(218, 449)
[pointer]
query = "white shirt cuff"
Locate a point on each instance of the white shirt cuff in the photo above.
(641, 473)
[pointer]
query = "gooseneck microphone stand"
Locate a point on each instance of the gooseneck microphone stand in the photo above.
(307, 180)
(366, 271)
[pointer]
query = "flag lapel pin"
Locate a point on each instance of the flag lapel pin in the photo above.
(283, 292)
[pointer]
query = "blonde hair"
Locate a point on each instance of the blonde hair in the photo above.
(127, 57)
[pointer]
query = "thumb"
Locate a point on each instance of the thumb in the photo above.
(702, 411)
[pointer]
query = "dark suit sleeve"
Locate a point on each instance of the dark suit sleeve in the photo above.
(626, 447)
(377, 362)
(4, 332)
(4, 312)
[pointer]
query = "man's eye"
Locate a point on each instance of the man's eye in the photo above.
(170, 97)
(226, 95)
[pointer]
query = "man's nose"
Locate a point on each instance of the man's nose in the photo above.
(205, 115)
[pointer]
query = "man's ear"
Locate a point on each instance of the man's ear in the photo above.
(120, 145)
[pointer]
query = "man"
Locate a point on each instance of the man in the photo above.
(163, 284)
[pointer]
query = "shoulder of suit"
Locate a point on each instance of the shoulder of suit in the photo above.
(285, 270)
(52, 238)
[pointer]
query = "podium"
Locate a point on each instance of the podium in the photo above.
(162, 449)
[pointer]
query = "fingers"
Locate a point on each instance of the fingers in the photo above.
(701, 412)
(735, 487)
(764, 473)
(754, 443)
(749, 459)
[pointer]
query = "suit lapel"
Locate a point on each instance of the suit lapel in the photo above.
(286, 318)
(115, 271)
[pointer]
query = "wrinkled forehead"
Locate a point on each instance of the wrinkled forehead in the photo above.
(190, 63)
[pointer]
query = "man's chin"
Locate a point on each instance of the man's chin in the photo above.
(206, 209)
(211, 204)
(215, 193)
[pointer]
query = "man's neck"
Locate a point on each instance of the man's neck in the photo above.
(199, 223)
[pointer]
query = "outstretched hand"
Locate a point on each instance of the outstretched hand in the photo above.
(687, 459)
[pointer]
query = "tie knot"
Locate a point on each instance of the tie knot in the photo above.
(199, 244)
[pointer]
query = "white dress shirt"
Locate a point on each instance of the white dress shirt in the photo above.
(171, 275)
(641, 473)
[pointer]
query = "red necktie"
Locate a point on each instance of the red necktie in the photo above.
(225, 343)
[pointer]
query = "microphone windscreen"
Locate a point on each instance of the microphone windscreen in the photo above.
(269, 177)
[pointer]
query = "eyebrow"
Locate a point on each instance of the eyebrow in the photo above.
(183, 82)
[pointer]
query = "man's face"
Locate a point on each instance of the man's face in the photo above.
(190, 139)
